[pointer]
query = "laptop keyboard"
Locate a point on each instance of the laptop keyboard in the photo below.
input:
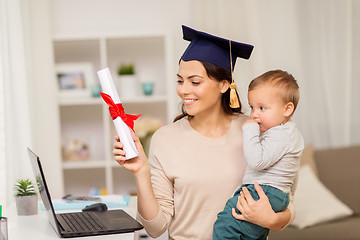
(83, 221)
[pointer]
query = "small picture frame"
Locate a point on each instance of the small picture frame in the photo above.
(75, 79)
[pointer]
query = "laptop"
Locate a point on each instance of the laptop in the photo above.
(79, 224)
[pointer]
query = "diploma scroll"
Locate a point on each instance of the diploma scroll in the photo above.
(122, 129)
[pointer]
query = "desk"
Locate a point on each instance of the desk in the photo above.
(38, 227)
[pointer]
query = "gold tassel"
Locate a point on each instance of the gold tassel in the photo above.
(234, 100)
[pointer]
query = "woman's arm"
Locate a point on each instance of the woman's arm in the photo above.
(260, 212)
(148, 206)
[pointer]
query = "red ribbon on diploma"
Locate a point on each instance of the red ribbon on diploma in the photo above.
(117, 110)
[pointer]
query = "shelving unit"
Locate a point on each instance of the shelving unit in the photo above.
(87, 118)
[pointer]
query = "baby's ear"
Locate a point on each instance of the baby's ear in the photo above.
(289, 109)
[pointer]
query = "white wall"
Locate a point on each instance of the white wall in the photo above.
(112, 16)
(316, 41)
(44, 115)
(90, 17)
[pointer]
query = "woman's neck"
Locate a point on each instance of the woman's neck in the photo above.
(214, 125)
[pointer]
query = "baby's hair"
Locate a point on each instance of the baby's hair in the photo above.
(283, 81)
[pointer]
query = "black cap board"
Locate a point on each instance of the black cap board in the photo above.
(213, 49)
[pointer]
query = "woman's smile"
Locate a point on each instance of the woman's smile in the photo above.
(189, 101)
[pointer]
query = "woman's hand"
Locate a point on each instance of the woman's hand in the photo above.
(147, 205)
(259, 212)
(134, 164)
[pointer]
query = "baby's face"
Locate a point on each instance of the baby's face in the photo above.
(267, 107)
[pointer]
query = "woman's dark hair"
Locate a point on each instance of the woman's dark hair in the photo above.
(216, 73)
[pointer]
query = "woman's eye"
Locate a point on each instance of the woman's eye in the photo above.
(262, 108)
(179, 81)
(195, 83)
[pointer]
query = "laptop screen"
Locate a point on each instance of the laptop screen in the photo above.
(43, 190)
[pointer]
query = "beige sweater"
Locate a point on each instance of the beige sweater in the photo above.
(193, 176)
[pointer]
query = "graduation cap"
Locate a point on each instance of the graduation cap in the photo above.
(216, 50)
(213, 49)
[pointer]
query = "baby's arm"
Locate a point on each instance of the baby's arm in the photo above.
(263, 153)
(248, 121)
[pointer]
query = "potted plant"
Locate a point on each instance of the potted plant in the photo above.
(128, 81)
(26, 197)
(126, 69)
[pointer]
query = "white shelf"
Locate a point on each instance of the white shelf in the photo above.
(82, 164)
(87, 118)
(72, 101)
(123, 36)
(145, 99)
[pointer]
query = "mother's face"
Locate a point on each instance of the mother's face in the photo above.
(199, 93)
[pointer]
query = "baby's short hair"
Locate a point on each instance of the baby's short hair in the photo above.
(283, 81)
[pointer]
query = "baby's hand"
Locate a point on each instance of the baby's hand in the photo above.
(249, 121)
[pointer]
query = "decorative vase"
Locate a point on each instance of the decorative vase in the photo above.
(27, 205)
(128, 86)
(147, 88)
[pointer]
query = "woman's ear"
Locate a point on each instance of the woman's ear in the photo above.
(289, 109)
(224, 86)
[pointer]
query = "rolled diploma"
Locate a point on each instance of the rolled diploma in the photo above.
(124, 132)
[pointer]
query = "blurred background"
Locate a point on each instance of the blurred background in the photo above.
(52, 49)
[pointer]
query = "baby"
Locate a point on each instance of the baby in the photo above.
(272, 148)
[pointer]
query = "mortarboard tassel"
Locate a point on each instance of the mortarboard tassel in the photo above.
(234, 99)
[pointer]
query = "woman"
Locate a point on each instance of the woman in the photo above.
(197, 162)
